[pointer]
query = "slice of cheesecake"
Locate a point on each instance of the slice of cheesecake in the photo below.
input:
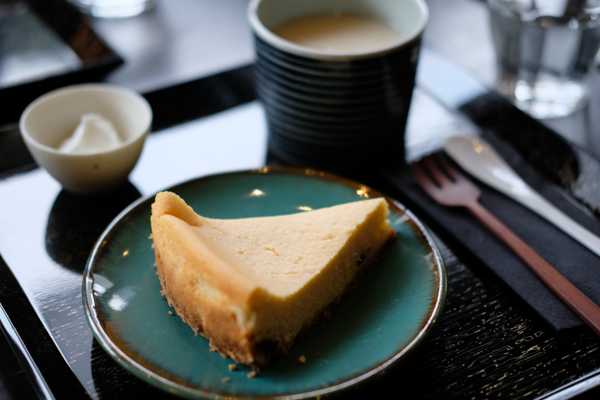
(251, 286)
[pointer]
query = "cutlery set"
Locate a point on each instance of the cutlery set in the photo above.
(449, 187)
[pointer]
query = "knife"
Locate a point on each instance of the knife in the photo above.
(478, 157)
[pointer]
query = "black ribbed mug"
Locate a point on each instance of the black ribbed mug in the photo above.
(337, 109)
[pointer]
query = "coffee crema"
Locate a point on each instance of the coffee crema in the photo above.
(339, 33)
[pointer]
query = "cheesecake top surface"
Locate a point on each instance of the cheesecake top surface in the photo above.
(279, 254)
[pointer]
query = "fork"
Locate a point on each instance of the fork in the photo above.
(450, 188)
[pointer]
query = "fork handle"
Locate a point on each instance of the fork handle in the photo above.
(581, 305)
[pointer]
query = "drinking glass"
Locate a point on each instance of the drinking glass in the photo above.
(113, 8)
(546, 53)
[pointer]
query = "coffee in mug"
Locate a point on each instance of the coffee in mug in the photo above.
(339, 33)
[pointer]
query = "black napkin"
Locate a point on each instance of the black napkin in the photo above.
(573, 260)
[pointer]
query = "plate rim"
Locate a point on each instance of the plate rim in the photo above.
(140, 371)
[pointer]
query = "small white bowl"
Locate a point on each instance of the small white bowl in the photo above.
(53, 117)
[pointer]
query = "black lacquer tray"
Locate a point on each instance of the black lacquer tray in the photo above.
(90, 58)
(488, 343)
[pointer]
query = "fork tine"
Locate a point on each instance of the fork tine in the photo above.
(449, 169)
(425, 181)
(436, 173)
(419, 174)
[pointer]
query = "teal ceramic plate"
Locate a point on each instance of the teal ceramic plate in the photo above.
(375, 326)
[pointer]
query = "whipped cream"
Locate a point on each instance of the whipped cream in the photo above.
(93, 134)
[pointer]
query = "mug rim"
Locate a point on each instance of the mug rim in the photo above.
(304, 51)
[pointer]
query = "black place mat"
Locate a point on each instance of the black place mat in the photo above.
(575, 262)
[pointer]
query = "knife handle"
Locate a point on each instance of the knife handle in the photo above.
(543, 207)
